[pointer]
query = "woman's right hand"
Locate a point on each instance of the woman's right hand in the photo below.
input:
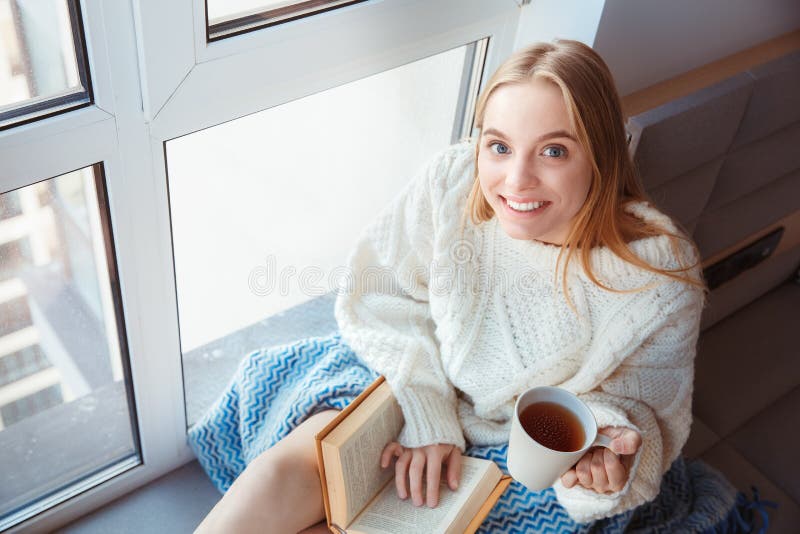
(413, 462)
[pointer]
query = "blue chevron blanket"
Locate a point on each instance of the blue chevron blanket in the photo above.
(276, 389)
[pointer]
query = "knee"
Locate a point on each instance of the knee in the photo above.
(286, 473)
(289, 469)
(281, 487)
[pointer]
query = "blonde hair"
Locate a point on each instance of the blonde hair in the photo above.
(595, 112)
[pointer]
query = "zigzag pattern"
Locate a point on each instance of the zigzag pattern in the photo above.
(272, 392)
(520, 510)
(276, 389)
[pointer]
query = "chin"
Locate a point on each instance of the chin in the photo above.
(515, 232)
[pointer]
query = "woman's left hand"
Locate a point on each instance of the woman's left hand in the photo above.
(606, 470)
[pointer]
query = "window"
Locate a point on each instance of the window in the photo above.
(14, 254)
(301, 181)
(42, 64)
(9, 205)
(109, 242)
(61, 360)
(22, 363)
(227, 18)
(16, 316)
(31, 404)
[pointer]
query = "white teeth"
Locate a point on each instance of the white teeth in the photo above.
(525, 206)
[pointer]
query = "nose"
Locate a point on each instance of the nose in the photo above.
(522, 175)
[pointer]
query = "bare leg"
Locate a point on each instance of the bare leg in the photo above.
(319, 528)
(279, 491)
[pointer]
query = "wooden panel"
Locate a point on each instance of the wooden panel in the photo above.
(679, 86)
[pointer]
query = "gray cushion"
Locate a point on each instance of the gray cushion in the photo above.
(683, 134)
(689, 226)
(775, 102)
(738, 220)
(724, 162)
(683, 198)
(756, 164)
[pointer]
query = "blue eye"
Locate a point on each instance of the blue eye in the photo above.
(499, 148)
(555, 152)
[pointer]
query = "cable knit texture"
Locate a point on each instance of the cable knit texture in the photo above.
(461, 319)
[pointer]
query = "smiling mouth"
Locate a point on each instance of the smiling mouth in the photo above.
(525, 207)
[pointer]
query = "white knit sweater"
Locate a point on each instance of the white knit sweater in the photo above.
(462, 323)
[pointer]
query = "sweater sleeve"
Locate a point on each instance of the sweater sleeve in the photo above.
(385, 314)
(649, 390)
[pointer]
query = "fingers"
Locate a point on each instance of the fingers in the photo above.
(570, 478)
(417, 466)
(400, 472)
(454, 468)
(600, 470)
(415, 476)
(617, 474)
(584, 470)
(433, 471)
(633, 441)
(598, 467)
(391, 450)
(624, 440)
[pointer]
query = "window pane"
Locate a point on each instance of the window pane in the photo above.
(228, 17)
(65, 411)
(42, 68)
(264, 208)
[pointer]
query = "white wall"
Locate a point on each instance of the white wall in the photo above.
(545, 20)
(647, 41)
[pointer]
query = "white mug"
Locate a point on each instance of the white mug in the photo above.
(531, 463)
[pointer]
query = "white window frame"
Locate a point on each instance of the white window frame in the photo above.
(156, 78)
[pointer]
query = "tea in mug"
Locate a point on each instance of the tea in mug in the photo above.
(553, 426)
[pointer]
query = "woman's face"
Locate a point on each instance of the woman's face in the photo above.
(531, 168)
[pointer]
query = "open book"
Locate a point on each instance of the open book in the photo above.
(360, 497)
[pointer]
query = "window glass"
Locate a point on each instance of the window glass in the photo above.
(22, 363)
(9, 205)
(266, 208)
(42, 67)
(65, 406)
(228, 17)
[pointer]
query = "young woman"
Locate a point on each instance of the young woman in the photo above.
(529, 256)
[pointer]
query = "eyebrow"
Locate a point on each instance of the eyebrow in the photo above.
(550, 135)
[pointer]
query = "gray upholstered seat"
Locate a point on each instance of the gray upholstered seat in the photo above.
(724, 161)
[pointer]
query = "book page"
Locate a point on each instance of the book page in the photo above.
(388, 514)
(360, 457)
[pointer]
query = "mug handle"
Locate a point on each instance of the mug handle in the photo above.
(601, 440)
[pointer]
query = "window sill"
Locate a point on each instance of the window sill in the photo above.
(208, 369)
(176, 502)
